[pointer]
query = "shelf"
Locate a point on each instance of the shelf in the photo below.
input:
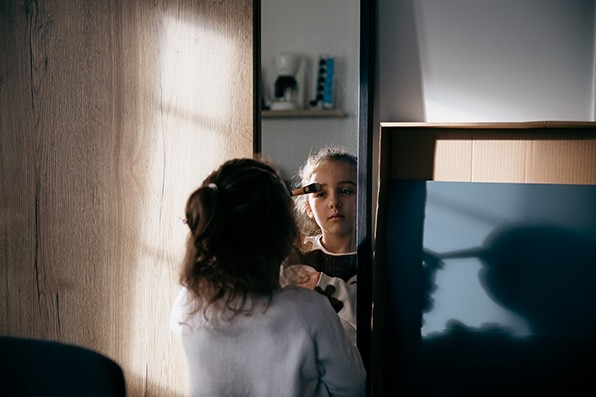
(303, 113)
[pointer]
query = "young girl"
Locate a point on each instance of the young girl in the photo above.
(326, 259)
(242, 333)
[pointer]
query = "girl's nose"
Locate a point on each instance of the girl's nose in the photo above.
(334, 201)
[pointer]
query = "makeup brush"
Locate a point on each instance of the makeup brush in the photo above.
(312, 188)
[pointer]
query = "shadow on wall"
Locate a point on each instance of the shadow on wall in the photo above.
(546, 274)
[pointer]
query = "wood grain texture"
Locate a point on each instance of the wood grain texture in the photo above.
(111, 113)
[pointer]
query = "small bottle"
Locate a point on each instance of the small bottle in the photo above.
(328, 93)
(324, 90)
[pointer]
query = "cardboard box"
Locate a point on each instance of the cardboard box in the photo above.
(528, 152)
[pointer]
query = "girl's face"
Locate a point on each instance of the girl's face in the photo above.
(334, 207)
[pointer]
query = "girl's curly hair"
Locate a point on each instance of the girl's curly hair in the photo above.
(242, 227)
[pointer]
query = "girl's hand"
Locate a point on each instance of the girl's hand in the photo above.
(309, 280)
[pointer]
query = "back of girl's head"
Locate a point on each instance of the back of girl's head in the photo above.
(241, 228)
(328, 153)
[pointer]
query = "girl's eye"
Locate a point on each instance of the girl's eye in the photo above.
(346, 192)
(320, 194)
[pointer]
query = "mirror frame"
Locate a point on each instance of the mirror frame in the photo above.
(365, 167)
(364, 235)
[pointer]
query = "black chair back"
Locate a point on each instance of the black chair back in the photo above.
(40, 368)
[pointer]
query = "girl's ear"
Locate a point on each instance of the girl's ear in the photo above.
(308, 210)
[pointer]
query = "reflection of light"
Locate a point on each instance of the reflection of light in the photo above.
(196, 90)
(196, 70)
(457, 106)
(190, 95)
(453, 111)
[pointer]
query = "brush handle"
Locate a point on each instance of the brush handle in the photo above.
(312, 188)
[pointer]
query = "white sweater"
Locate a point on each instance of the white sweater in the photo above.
(295, 346)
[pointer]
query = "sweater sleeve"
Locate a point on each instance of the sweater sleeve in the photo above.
(342, 371)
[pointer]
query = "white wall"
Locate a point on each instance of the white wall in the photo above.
(483, 60)
(310, 28)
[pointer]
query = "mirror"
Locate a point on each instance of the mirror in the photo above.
(298, 45)
(308, 30)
